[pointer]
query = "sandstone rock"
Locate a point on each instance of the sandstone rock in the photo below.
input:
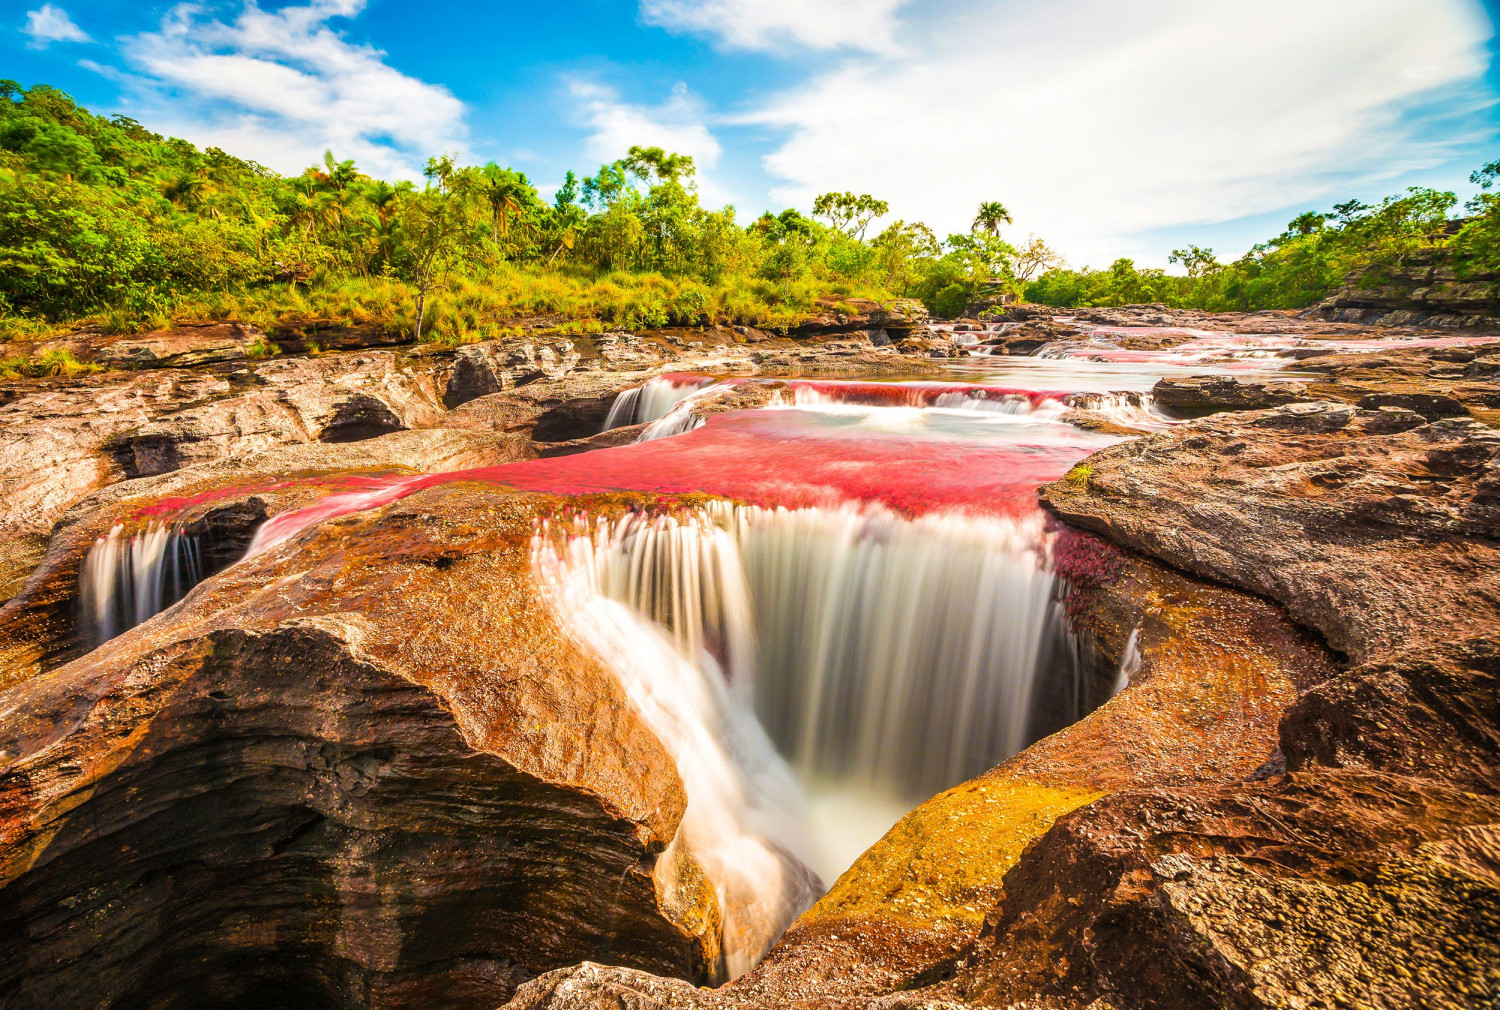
(60, 441)
(1204, 393)
(180, 346)
(324, 778)
(491, 367)
(38, 624)
(1372, 879)
(1375, 537)
(624, 352)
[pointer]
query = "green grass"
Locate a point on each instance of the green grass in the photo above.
(1079, 475)
(44, 364)
(465, 310)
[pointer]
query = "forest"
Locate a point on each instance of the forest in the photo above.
(105, 222)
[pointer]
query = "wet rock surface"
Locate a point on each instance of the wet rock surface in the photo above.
(324, 780)
(366, 768)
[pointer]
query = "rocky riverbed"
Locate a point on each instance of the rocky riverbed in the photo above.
(376, 757)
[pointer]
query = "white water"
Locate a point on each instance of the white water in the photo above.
(886, 658)
(653, 400)
(1132, 409)
(126, 580)
(1130, 663)
(744, 823)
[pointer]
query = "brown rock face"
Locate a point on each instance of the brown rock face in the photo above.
(39, 626)
(1371, 879)
(59, 442)
(326, 780)
(1375, 527)
(1202, 393)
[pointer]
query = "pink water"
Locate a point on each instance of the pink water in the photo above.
(914, 447)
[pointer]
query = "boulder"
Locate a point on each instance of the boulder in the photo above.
(1222, 392)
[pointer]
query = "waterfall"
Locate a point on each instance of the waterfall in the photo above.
(744, 822)
(1130, 662)
(890, 656)
(128, 579)
(1133, 409)
(653, 400)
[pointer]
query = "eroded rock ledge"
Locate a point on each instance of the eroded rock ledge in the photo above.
(1355, 861)
(363, 770)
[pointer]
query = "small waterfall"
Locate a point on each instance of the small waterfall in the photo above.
(885, 656)
(126, 580)
(1130, 662)
(830, 393)
(1132, 409)
(653, 400)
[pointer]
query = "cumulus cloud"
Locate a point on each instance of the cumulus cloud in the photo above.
(768, 24)
(281, 86)
(1095, 120)
(680, 125)
(50, 24)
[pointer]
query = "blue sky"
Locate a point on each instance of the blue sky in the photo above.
(1109, 127)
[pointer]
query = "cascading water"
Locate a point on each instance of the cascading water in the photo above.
(653, 400)
(127, 579)
(886, 657)
(743, 822)
(1132, 409)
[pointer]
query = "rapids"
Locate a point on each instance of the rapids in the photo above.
(865, 617)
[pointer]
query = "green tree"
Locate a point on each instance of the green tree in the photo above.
(848, 213)
(435, 229)
(992, 214)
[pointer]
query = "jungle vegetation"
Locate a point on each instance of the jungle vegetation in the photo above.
(104, 221)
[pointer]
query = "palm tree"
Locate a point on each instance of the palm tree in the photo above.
(505, 190)
(992, 214)
(339, 175)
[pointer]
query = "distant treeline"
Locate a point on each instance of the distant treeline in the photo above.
(102, 219)
(1316, 255)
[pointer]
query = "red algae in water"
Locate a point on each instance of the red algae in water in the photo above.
(769, 458)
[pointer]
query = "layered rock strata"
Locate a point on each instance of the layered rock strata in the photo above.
(362, 769)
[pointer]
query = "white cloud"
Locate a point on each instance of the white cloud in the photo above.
(281, 86)
(1094, 120)
(679, 125)
(770, 24)
(51, 24)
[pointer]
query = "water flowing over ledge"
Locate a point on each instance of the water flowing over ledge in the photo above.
(126, 580)
(882, 658)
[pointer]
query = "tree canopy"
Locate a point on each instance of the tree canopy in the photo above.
(102, 218)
